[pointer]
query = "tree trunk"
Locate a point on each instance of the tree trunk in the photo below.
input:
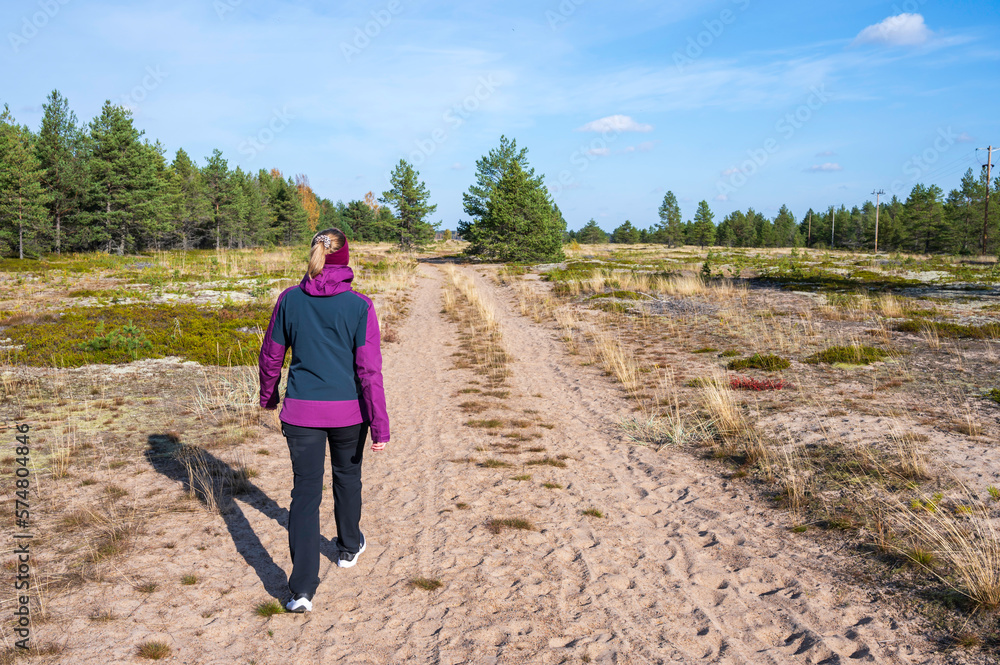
(58, 244)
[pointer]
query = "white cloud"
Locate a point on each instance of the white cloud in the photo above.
(732, 171)
(899, 30)
(823, 168)
(722, 197)
(826, 153)
(615, 123)
(599, 152)
(457, 166)
(965, 138)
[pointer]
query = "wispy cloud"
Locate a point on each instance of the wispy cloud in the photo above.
(824, 168)
(965, 138)
(899, 30)
(826, 153)
(615, 123)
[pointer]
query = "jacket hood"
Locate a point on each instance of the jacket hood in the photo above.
(333, 280)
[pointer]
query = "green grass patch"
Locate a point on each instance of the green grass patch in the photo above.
(768, 363)
(707, 349)
(523, 476)
(592, 512)
(552, 486)
(621, 295)
(269, 609)
(849, 355)
(994, 395)
(729, 353)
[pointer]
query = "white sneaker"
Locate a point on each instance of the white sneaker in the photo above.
(299, 603)
(346, 559)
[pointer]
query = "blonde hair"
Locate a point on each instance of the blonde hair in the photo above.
(323, 243)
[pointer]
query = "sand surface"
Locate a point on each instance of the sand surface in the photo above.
(684, 566)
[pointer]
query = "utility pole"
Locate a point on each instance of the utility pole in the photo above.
(877, 194)
(986, 212)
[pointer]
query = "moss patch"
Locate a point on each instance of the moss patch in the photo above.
(951, 330)
(123, 333)
(768, 363)
(849, 355)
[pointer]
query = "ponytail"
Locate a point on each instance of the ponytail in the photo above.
(323, 243)
(317, 257)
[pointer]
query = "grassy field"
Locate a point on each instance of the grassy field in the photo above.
(858, 396)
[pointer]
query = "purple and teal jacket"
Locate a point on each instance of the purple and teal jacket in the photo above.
(335, 377)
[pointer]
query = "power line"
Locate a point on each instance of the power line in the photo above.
(986, 208)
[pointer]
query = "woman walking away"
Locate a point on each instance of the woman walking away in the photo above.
(334, 395)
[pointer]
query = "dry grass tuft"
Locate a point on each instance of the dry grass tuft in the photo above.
(496, 525)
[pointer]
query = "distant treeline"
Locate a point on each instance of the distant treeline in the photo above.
(103, 187)
(926, 222)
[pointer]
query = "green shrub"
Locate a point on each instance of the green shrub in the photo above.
(768, 363)
(994, 395)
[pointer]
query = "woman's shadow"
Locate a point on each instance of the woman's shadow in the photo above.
(199, 472)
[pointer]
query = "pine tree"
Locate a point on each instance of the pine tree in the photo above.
(58, 150)
(626, 234)
(123, 187)
(189, 201)
(409, 197)
(591, 234)
(923, 216)
(703, 229)
(670, 230)
(513, 216)
(23, 200)
(220, 193)
(786, 232)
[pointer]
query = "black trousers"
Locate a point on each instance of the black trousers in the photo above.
(307, 449)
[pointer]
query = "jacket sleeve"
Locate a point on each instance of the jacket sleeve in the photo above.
(368, 365)
(272, 356)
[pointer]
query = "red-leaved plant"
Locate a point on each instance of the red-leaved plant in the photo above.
(750, 383)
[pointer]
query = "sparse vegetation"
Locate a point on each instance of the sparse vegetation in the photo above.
(426, 583)
(854, 354)
(496, 525)
(153, 650)
(269, 608)
(767, 362)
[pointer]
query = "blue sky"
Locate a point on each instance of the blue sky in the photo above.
(739, 102)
